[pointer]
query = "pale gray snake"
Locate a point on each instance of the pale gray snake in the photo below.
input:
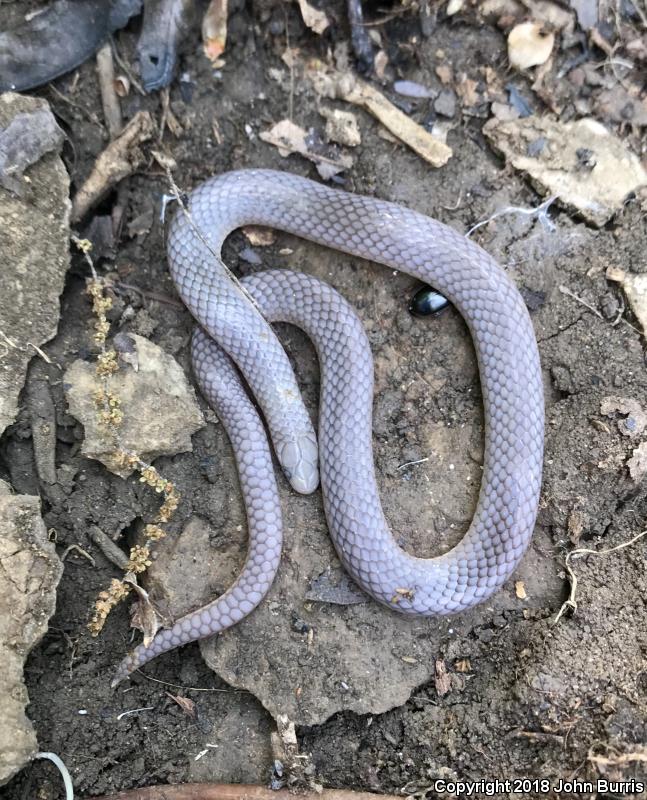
(508, 364)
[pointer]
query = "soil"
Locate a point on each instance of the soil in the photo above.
(525, 698)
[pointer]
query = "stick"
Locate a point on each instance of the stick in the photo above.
(228, 791)
(109, 99)
(120, 159)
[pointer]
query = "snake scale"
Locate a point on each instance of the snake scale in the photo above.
(235, 328)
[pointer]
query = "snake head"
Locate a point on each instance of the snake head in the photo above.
(299, 459)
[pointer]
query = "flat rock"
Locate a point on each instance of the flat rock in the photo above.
(587, 168)
(310, 659)
(34, 242)
(29, 574)
(160, 410)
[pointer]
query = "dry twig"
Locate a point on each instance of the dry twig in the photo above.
(120, 159)
(228, 791)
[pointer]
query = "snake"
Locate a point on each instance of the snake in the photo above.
(239, 362)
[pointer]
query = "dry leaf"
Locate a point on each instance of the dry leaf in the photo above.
(315, 20)
(143, 614)
(289, 138)
(186, 704)
(463, 665)
(121, 85)
(575, 525)
(259, 236)
(443, 680)
(466, 90)
(529, 46)
(214, 29)
(520, 590)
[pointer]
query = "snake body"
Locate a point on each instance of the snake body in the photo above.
(235, 326)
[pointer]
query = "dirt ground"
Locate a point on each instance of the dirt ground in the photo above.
(527, 698)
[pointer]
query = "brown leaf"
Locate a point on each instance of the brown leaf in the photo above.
(187, 705)
(143, 614)
(576, 523)
(466, 90)
(443, 679)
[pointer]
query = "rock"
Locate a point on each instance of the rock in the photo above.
(341, 127)
(189, 571)
(29, 574)
(529, 45)
(445, 103)
(635, 287)
(581, 163)
(308, 659)
(159, 407)
(34, 242)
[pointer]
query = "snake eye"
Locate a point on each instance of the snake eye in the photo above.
(427, 302)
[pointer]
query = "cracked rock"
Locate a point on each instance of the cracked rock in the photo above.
(34, 242)
(29, 574)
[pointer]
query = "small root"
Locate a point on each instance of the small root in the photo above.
(571, 603)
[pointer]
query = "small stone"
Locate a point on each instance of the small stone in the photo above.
(445, 103)
(341, 127)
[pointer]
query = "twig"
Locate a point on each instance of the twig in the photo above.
(190, 688)
(290, 65)
(79, 550)
(620, 759)
(110, 550)
(362, 94)
(157, 296)
(15, 346)
(120, 159)
(109, 99)
(92, 117)
(571, 602)
(228, 791)
(565, 290)
(131, 77)
(411, 463)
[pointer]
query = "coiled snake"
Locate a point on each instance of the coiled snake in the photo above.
(235, 328)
